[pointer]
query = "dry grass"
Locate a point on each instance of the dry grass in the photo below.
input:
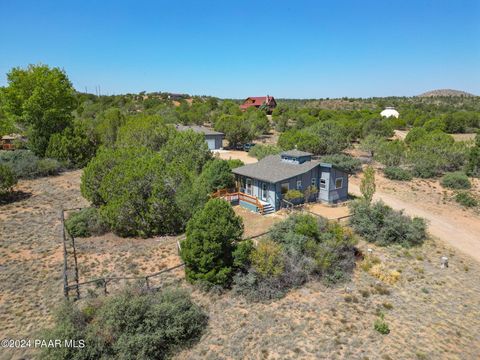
(432, 313)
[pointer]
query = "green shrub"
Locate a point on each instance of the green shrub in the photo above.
(379, 223)
(86, 222)
(345, 162)
(234, 163)
(299, 247)
(397, 173)
(260, 151)
(267, 258)
(293, 194)
(74, 147)
(391, 153)
(128, 326)
(242, 254)
(210, 237)
(48, 167)
(216, 175)
(7, 179)
(456, 180)
(381, 326)
(26, 165)
(435, 153)
(473, 164)
(465, 199)
(140, 198)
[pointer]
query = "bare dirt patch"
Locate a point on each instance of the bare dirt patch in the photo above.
(256, 224)
(328, 211)
(236, 154)
(402, 134)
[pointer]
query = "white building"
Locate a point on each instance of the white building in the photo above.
(389, 111)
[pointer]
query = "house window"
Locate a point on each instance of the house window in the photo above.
(299, 184)
(313, 182)
(248, 188)
(323, 184)
(284, 188)
(338, 183)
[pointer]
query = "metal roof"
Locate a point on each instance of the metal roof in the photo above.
(198, 129)
(273, 169)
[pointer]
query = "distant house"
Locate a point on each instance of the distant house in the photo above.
(390, 111)
(8, 141)
(264, 184)
(213, 138)
(268, 102)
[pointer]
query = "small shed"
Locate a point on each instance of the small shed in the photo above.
(213, 138)
(8, 141)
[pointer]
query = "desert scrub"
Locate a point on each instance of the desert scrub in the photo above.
(132, 325)
(397, 173)
(369, 261)
(456, 180)
(379, 223)
(381, 326)
(382, 273)
(86, 222)
(465, 199)
(7, 179)
(26, 165)
(300, 247)
(347, 163)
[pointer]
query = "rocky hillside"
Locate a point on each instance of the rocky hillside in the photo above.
(445, 92)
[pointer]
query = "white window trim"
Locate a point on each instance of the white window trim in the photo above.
(299, 184)
(313, 182)
(341, 183)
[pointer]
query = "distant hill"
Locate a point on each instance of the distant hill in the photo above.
(445, 92)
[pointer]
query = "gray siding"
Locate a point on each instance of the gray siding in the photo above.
(330, 194)
(218, 140)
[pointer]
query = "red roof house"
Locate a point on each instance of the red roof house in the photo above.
(259, 101)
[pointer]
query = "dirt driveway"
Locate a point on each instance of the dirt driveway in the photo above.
(460, 229)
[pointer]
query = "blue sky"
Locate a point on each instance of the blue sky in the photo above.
(297, 49)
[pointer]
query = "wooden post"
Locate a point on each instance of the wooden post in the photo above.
(146, 281)
(65, 278)
(105, 286)
(76, 266)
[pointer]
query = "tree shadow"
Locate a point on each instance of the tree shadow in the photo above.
(14, 196)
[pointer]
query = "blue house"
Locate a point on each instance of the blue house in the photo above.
(269, 179)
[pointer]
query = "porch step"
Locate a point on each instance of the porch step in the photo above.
(268, 209)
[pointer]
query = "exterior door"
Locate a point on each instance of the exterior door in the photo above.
(211, 144)
(324, 185)
(264, 191)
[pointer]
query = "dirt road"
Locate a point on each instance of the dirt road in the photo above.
(458, 229)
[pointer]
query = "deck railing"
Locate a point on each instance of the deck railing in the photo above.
(239, 196)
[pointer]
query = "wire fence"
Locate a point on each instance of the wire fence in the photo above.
(73, 288)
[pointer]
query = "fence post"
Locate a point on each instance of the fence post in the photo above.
(105, 286)
(76, 266)
(65, 278)
(146, 281)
